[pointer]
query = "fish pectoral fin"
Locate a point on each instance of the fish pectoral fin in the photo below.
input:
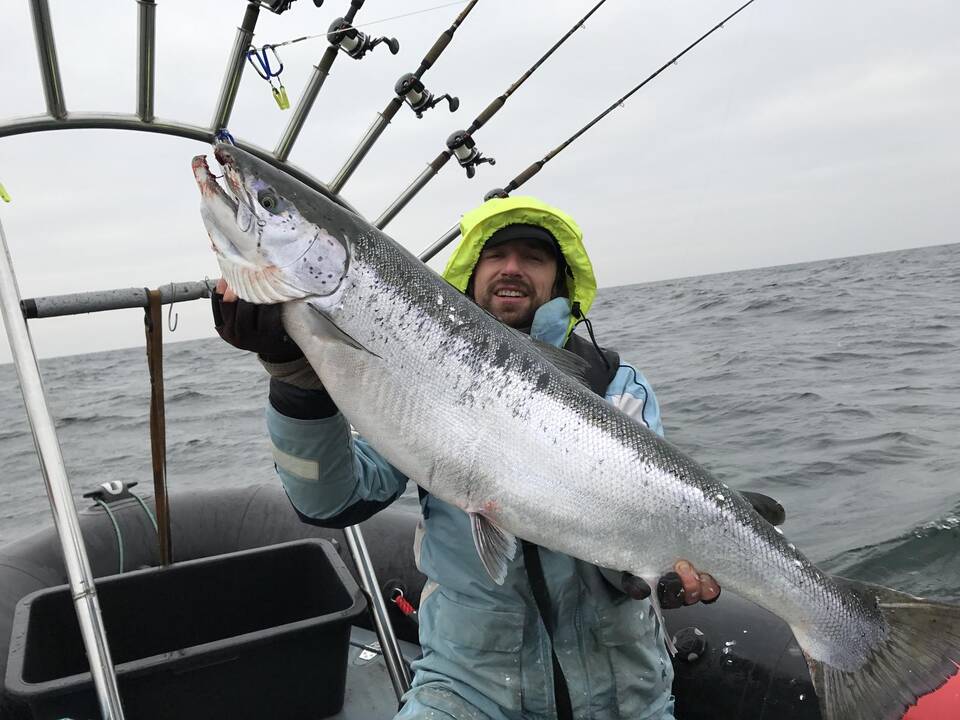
(495, 546)
(568, 363)
(330, 329)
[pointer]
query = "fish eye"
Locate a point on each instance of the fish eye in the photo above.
(268, 199)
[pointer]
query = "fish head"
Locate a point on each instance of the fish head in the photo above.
(258, 220)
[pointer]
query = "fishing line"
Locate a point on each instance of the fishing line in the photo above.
(537, 166)
(372, 22)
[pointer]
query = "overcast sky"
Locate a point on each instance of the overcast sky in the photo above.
(801, 131)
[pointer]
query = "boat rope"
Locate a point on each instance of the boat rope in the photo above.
(158, 434)
(537, 166)
(146, 509)
(116, 530)
(397, 598)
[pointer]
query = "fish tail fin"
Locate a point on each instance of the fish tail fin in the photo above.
(919, 654)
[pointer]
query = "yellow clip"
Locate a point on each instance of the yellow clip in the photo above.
(3, 194)
(281, 97)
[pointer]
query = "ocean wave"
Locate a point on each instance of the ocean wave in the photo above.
(923, 561)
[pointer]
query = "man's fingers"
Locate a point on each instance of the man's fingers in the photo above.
(709, 589)
(221, 288)
(690, 580)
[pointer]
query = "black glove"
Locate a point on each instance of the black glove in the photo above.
(252, 327)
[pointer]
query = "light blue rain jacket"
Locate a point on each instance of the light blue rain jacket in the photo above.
(486, 653)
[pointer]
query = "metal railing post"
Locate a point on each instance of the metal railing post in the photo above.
(396, 667)
(146, 52)
(234, 71)
(58, 490)
(47, 55)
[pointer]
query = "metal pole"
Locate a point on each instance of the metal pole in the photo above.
(47, 55)
(416, 186)
(300, 113)
(366, 142)
(101, 300)
(396, 667)
(58, 490)
(448, 237)
(146, 51)
(238, 57)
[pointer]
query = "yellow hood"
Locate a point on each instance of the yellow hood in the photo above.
(479, 224)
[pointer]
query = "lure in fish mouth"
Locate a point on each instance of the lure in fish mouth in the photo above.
(267, 250)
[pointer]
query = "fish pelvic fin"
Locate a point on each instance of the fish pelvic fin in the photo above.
(919, 654)
(496, 546)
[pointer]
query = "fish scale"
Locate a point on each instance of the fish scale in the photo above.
(476, 414)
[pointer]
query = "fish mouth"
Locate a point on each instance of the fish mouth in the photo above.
(232, 192)
(209, 183)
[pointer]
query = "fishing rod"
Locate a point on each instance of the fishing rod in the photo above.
(461, 143)
(410, 89)
(536, 167)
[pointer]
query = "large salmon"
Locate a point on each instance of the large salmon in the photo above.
(485, 419)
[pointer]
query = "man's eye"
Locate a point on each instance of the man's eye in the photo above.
(268, 199)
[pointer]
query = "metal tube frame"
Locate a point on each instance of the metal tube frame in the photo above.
(363, 147)
(47, 55)
(103, 300)
(235, 65)
(448, 237)
(320, 72)
(396, 667)
(117, 121)
(428, 174)
(146, 53)
(77, 564)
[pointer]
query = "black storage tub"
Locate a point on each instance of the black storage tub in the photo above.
(254, 634)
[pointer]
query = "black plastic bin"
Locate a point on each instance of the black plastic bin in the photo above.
(255, 634)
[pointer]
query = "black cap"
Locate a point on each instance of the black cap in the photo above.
(523, 231)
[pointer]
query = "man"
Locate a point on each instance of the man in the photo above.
(559, 637)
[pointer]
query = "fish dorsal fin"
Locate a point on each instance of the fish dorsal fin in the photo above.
(495, 546)
(567, 362)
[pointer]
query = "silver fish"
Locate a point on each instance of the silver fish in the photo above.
(485, 419)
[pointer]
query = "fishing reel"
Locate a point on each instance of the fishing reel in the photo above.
(412, 90)
(279, 6)
(354, 43)
(461, 144)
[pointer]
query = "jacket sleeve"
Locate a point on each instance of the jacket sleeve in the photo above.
(332, 477)
(631, 393)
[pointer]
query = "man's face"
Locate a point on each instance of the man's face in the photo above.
(513, 279)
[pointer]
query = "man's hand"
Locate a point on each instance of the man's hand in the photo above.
(683, 586)
(247, 326)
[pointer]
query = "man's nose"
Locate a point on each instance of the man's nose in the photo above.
(511, 265)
